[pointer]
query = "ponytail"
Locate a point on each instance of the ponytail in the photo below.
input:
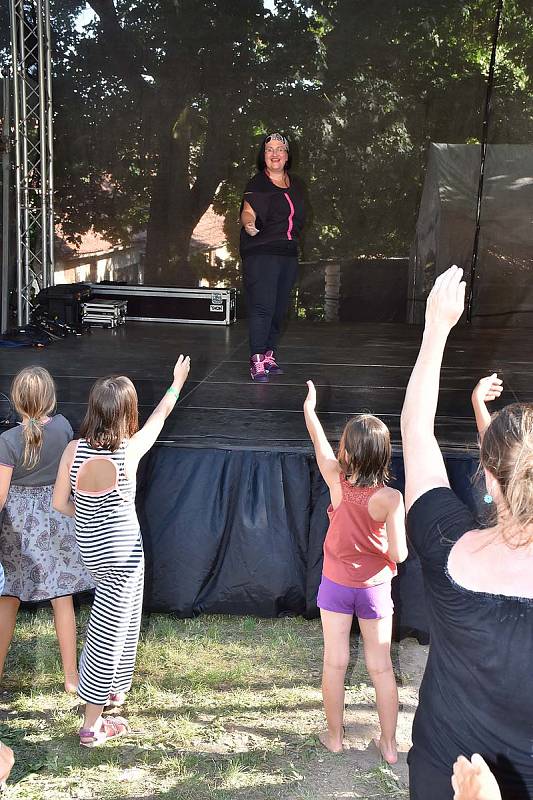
(507, 453)
(32, 435)
(519, 493)
(34, 396)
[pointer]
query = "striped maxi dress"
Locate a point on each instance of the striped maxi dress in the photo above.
(109, 540)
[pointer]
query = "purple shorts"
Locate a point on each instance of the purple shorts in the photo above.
(370, 602)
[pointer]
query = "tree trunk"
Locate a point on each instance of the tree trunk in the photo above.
(170, 223)
(175, 206)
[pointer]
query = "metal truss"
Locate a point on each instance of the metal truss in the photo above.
(32, 99)
(4, 150)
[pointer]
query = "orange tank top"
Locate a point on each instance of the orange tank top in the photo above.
(355, 548)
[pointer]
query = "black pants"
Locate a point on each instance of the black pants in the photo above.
(425, 781)
(268, 281)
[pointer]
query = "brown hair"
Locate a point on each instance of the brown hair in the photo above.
(112, 414)
(365, 450)
(507, 453)
(33, 395)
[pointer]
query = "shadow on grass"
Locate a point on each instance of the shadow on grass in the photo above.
(226, 709)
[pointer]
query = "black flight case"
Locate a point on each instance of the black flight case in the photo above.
(171, 304)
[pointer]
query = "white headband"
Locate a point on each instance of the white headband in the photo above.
(277, 137)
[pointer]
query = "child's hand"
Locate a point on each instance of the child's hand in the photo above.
(310, 400)
(473, 780)
(446, 300)
(181, 369)
(487, 389)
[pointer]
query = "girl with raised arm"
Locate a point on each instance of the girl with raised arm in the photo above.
(477, 691)
(364, 542)
(99, 471)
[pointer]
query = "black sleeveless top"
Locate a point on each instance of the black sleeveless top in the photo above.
(477, 690)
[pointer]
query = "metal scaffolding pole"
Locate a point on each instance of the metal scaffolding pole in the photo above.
(32, 93)
(4, 143)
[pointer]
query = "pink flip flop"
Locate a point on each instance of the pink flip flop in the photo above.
(110, 728)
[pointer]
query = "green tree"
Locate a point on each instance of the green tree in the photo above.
(398, 75)
(160, 107)
(157, 106)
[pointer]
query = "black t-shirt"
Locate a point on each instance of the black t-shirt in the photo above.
(280, 216)
(477, 690)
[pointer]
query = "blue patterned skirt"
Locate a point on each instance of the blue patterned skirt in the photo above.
(38, 547)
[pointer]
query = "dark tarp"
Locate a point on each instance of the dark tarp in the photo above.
(241, 532)
(503, 286)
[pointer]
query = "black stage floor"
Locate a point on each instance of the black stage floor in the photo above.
(233, 513)
(355, 367)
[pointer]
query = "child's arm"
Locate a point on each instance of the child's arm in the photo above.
(387, 506)
(395, 524)
(325, 457)
(143, 440)
(62, 498)
(487, 389)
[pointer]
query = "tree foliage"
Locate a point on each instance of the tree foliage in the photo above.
(160, 106)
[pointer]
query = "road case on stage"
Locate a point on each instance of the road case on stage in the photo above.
(171, 304)
(104, 311)
(63, 301)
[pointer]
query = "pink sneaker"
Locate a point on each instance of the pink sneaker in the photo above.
(270, 364)
(257, 369)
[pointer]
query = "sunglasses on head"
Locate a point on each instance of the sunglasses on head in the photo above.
(277, 137)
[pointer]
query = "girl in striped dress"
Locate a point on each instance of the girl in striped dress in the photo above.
(99, 471)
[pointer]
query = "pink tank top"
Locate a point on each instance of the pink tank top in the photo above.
(355, 549)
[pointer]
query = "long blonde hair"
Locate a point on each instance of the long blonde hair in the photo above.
(507, 453)
(33, 394)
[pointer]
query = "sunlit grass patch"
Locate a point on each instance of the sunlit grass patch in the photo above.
(222, 708)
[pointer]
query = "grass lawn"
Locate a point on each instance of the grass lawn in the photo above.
(222, 708)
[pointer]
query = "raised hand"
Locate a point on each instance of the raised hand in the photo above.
(446, 300)
(489, 388)
(473, 780)
(181, 369)
(310, 400)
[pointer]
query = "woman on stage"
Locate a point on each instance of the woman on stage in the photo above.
(272, 217)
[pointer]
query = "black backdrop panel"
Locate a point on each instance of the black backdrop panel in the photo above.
(241, 532)
(503, 287)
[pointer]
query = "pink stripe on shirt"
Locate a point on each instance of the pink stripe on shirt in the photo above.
(291, 215)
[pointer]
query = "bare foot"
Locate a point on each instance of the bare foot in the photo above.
(388, 752)
(71, 683)
(329, 743)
